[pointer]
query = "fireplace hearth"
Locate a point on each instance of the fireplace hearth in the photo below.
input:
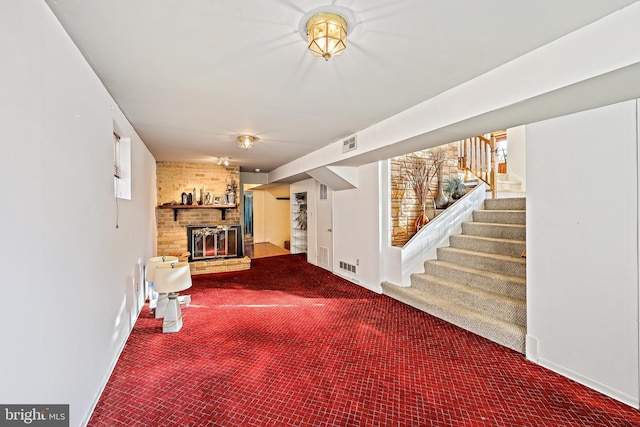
(207, 242)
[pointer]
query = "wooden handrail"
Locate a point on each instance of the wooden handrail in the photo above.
(477, 156)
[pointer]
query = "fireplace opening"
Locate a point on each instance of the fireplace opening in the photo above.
(214, 241)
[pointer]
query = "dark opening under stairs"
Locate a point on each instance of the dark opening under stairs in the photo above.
(478, 282)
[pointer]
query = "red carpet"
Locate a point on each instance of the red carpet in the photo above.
(289, 344)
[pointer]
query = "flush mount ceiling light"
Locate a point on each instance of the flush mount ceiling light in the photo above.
(324, 29)
(224, 160)
(246, 141)
(327, 34)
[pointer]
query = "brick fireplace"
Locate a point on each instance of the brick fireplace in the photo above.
(175, 178)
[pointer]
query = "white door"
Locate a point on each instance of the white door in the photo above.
(325, 226)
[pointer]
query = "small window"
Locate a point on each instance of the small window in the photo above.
(121, 167)
(117, 168)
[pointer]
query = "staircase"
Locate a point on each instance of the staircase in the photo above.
(478, 282)
(508, 186)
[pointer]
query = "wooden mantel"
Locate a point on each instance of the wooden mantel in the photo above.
(176, 208)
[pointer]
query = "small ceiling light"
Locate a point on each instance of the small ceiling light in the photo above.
(246, 141)
(327, 34)
(224, 160)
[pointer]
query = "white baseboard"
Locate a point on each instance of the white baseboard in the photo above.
(591, 383)
(352, 279)
(531, 346)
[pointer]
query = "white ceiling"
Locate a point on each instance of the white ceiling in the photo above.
(191, 75)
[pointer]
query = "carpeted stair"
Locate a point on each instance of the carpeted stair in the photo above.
(478, 282)
(509, 186)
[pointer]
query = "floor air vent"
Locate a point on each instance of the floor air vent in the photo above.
(349, 267)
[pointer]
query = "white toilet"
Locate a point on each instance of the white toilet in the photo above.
(171, 278)
(157, 302)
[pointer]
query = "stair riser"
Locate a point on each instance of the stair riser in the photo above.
(515, 267)
(502, 247)
(498, 231)
(506, 186)
(511, 194)
(500, 217)
(513, 338)
(510, 287)
(518, 203)
(510, 311)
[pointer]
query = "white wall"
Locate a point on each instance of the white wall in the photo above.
(356, 229)
(72, 279)
(278, 219)
(517, 154)
(582, 248)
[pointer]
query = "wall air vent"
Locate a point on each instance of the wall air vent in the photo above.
(348, 267)
(323, 192)
(323, 256)
(349, 144)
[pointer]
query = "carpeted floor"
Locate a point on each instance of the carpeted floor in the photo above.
(289, 344)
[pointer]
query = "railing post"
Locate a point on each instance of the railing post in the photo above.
(493, 180)
(485, 159)
(474, 157)
(477, 155)
(465, 162)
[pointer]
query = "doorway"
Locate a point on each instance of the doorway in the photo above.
(248, 216)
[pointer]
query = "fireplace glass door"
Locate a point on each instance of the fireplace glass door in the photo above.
(214, 242)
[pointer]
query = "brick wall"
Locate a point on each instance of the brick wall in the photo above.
(173, 179)
(405, 208)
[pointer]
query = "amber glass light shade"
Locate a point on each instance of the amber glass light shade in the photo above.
(327, 33)
(245, 141)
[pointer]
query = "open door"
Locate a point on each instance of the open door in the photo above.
(248, 216)
(325, 226)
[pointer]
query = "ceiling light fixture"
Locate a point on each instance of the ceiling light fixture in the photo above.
(246, 141)
(224, 160)
(327, 34)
